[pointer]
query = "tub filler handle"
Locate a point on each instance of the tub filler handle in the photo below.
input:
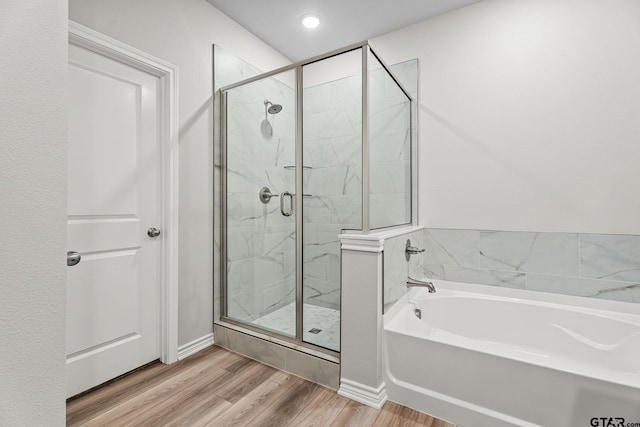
(413, 283)
(411, 250)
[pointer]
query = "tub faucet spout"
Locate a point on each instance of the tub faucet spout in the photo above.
(412, 283)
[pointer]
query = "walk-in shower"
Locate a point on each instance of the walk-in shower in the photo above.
(338, 161)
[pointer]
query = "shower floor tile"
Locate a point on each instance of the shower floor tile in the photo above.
(323, 322)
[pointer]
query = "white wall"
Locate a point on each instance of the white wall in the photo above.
(182, 32)
(33, 165)
(529, 115)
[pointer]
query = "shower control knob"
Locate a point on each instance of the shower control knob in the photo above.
(153, 232)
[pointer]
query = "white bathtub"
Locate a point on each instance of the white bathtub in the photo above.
(487, 356)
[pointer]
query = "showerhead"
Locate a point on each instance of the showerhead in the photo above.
(265, 126)
(274, 109)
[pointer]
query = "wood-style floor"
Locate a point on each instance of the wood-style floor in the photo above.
(216, 387)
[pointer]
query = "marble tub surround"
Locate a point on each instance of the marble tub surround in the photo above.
(396, 269)
(591, 265)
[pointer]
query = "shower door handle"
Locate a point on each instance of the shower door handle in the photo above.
(282, 196)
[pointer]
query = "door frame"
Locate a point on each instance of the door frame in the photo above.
(167, 75)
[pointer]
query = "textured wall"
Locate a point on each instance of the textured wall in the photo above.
(182, 32)
(528, 115)
(33, 64)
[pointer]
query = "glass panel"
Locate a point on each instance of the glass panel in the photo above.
(260, 235)
(389, 148)
(332, 186)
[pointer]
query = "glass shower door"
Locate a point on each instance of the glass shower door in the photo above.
(332, 186)
(260, 208)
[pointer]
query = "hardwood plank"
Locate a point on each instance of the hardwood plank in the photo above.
(441, 423)
(253, 404)
(86, 407)
(245, 381)
(282, 377)
(298, 397)
(356, 414)
(422, 419)
(216, 387)
(321, 411)
(158, 402)
(390, 415)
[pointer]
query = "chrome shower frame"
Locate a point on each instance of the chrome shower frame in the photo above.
(367, 52)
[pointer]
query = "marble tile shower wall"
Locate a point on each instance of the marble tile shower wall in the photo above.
(332, 158)
(589, 265)
(261, 242)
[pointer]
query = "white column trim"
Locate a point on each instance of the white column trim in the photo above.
(167, 75)
(374, 397)
(373, 242)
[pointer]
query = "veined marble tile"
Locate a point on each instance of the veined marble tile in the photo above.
(318, 210)
(328, 180)
(390, 144)
(397, 269)
(612, 257)
(391, 177)
(321, 292)
(578, 286)
(390, 209)
(451, 247)
(481, 276)
(315, 264)
(627, 294)
(245, 307)
(318, 153)
(259, 271)
(346, 150)
(254, 241)
(429, 271)
(546, 253)
(346, 209)
(278, 296)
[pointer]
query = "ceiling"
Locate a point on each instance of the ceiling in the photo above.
(343, 22)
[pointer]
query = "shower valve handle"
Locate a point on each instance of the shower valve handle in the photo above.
(265, 195)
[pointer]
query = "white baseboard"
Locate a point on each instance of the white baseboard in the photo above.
(195, 346)
(374, 397)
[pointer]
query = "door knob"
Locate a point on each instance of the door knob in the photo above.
(153, 232)
(73, 258)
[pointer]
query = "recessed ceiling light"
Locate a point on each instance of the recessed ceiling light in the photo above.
(310, 21)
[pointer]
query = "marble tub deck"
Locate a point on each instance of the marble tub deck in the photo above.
(326, 320)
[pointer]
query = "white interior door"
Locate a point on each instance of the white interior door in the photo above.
(114, 199)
